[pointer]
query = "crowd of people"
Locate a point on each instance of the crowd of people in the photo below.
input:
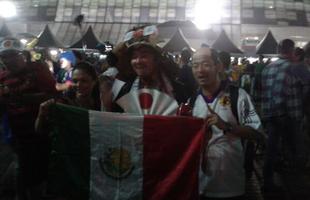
(238, 102)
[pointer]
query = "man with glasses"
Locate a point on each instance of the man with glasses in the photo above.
(222, 173)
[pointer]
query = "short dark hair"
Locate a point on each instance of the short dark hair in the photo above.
(78, 54)
(87, 68)
(186, 55)
(286, 46)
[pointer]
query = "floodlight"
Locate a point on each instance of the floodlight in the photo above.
(207, 13)
(7, 9)
(53, 52)
(23, 41)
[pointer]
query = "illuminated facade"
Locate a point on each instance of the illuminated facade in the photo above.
(241, 19)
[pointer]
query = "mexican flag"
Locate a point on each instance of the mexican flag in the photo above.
(111, 156)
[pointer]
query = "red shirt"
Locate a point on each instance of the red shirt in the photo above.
(27, 89)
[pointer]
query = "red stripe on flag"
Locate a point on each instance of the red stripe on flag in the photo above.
(172, 147)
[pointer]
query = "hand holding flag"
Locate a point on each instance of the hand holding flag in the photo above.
(44, 108)
(42, 115)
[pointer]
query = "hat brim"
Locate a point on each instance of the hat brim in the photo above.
(137, 45)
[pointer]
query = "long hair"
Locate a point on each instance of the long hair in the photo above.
(90, 70)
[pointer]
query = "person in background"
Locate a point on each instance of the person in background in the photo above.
(48, 59)
(112, 60)
(186, 76)
(235, 72)
(298, 82)
(84, 93)
(177, 59)
(299, 55)
(306, 101)
(110, 85)
(307, 55)
(24, 85)
(222, 171)
(125, 71)
(257, 96)
(282, 110)
(226, 62)
(260, 65)
(80, 57)
(67, 61)
(247, 79)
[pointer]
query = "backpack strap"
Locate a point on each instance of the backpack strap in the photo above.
(124, 90)
(192, 99)
(234, 94)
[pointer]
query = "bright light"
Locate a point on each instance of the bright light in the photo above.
(7, 9)
(23, 41)
(102, 57)
(53, 52)
(252, 59)
(207, 13)
(297, 36)
(274, 59)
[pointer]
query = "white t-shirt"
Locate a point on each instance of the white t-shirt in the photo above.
(224, 176)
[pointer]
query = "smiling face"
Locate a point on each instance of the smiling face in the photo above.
(83, 82)
(205, 70)
(143, 62)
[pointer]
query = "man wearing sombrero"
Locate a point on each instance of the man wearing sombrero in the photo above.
(154, 90)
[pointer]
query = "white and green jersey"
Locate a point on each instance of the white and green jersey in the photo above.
(223, 174)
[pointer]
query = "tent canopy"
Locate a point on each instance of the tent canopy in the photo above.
(46, 39)
(177, 42)
(268, 45)
(223, 43)
(89, 40)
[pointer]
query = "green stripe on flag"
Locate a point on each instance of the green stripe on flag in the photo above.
(98, 155)
(70, 155)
